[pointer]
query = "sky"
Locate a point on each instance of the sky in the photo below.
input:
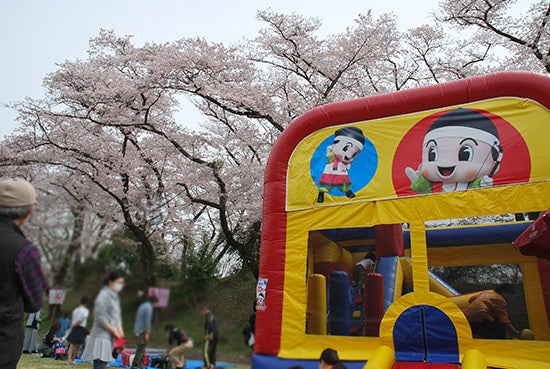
(37, 34)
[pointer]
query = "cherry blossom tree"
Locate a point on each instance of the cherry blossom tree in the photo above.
(108, 127)
(524, 36)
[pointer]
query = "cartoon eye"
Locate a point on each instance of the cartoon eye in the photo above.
(347, 147)
(466, 153)
(432, 153)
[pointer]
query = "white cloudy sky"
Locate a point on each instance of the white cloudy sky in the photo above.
(36, 34)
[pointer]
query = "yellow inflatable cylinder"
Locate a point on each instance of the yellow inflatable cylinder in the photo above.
(347, 259)
(474, 359)
(382, 358)
(317, 304)
(327, 252)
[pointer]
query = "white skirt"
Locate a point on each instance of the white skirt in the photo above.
(98, 348)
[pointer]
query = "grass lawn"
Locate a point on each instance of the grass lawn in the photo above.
(31, 362)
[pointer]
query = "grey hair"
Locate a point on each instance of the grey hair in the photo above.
(13, 213)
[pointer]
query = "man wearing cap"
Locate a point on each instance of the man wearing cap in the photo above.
(22, 282)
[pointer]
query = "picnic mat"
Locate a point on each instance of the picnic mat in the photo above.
(191, 364)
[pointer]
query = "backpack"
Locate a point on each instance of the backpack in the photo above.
(159, 362)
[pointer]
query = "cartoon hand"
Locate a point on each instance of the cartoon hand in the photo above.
(486, 181)
(412, 174)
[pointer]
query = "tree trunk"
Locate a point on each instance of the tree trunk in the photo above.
(74, 245)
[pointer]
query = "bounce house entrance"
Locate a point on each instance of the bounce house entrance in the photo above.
(424, 333)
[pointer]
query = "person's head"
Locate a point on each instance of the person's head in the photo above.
(115, 281)
(506, 290)
(56, 326)
(204, 311)
(371, 255)
(328, 357)
(84, 300)
(17, 198)
(339, 365)
(153, 300)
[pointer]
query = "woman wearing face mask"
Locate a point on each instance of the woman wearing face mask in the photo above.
(107, 322)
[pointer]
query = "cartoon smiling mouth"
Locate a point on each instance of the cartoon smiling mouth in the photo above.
(446, 171)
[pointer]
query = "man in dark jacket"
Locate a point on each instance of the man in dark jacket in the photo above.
(22, 282)
(211, 335)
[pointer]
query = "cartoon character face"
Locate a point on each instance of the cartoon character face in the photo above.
(456, 159)
(345, 149)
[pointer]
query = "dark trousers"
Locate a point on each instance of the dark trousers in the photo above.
(209, 352)
(9, 365)
(11, 340)
(488, 330)
(140, 351)
(98, 364)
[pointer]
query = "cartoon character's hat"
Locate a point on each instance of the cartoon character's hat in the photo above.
(353, 134)
(464, 123)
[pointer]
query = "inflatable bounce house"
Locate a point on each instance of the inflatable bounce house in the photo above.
(367, 201)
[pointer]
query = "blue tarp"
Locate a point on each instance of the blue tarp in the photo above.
(191, 364)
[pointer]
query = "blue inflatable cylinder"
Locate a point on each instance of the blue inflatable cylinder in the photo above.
(340, 304)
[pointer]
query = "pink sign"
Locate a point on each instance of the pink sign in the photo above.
(162, 294)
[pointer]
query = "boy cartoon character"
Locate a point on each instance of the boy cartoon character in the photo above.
(461, 150)
(348, 143)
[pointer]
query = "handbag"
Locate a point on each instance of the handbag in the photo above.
(118, 346)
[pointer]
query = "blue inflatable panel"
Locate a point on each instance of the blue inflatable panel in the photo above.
(470, 236)
(424, 333)
(339, 318)
(273, 362)
(387, 266)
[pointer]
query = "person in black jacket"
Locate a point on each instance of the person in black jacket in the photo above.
(21, 278)
(211, 335)
(250, 330)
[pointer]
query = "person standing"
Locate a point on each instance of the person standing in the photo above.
(22, 282)
(107, 322)
(361, 269)
(64, 325)
(78, 329)
(211, 336)
(142, 328)
(178, 342)
(31, 332)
